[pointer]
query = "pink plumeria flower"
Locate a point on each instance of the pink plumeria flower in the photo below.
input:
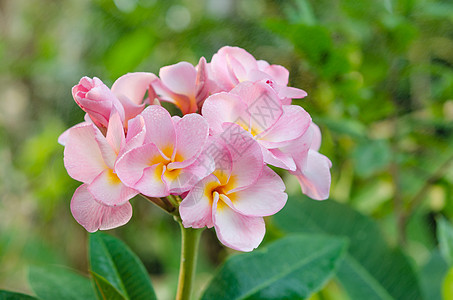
(90, 157)
(125, 97)
(232, 65)
(313, 172)
(184, 85)
(237, 195)
(257, 109)
(166, 162)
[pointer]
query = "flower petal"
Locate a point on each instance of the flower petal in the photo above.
(264, 108)
(159, 129)
(191, 135)
(108, 153)
(93, 215)
(82, 156)
(246, 155)
(180, 78)
(115, 133)
(135, 134)
(133, 86)
(183, 102)
(278, 73)
(109, 190)
(236, 231)
(196, 207)
(315, 178)
(131, 165)
(292, 124)
(316, 140)
(64, 136)
(264, 198)
(152, 184)
(278, 158)
(223, 107)
(245, 59)
(203, 83)
(289, 92)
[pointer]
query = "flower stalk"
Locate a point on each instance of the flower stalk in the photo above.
(190, 239)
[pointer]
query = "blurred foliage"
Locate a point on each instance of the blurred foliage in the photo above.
(379, 75)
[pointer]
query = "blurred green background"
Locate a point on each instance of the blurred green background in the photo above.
(379, 75)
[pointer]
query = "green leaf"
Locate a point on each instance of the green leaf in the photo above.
(7, 295)
(291, 268)
(447, 286)
(105, 290)
(370, 270)
(113, 260)
(300, 11)
(371, 156)
(445, 236)
(54, 282)
(349, 127)
(432, 275)
(298, 34)
(128, 52)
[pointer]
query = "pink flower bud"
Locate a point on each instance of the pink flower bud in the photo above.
(97, 100)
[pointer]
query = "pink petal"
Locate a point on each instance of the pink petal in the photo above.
(278, 158)
(191, 135)
(187, 177)
(93, 216)
(136, 134)
(236, 231)
(246, 156)
(141, 168)
(109, 190)
(316, 141)
(196, 208)
(179, 181)
(206, 162)
(82, 157)
(115, 133)
(133, 86)
(264, 198)
(262, 64)
(223, 107)
(257, 75)
(131, 165)
(246, 60)
(216, 152)
(180, 78)
(175, 119)
(278, 73)
(203, 83)
(64, 136)
(299, 148)
(263, 105)
(183, 102)
(108, 153)
(131, 110)
(289, 92)
(159, 129)
(236, 70)
(315, 178)
(151, 184)
(292, 124)
(220, 70)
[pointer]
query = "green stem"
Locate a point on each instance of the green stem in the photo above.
(174, 200)
(189, 249)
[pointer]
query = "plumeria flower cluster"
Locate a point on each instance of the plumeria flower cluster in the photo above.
(212, 163)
